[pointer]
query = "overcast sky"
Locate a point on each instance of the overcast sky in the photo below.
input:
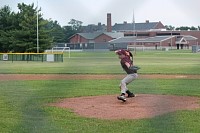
(169, 12)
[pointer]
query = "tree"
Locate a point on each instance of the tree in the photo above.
(186, 28)
(169, 27)
(6, 25)
(75, 25)
(193, 28)
(68, 32)
(18, 31)
(73, 28)
(25, 36)
(6, 17)
(56, 31)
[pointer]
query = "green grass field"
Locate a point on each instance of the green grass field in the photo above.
(23, 104)
(160, 62)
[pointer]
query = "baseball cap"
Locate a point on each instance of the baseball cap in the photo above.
(120, 52)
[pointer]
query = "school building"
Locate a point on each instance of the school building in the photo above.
(142, 35)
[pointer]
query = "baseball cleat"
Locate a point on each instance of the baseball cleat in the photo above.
(122, 97)
(131, 95)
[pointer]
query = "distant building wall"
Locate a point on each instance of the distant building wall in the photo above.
(192, 33)
(160, 26)
(103, 38)
(142, 34)
(78, 39)
(152, 34)
(100, 38)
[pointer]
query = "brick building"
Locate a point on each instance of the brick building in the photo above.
(147, 34)
(158, 39)
(96, 37)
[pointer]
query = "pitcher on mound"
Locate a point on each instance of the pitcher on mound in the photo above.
(130, 69)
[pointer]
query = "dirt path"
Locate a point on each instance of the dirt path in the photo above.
(88, 76)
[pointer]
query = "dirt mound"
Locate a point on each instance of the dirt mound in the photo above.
(141, 106)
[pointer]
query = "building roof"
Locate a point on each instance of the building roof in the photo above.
(157, 39)
(131, 39)
(185, 39)
(122, 27)
(92, 36)
(126, 39)
(114, 34)
(190, 38)
(138, 26)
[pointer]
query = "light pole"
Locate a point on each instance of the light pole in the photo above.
(134, 33)
(37, 30)
(171, 39)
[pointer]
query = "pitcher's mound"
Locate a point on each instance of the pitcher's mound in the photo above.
(141, 106)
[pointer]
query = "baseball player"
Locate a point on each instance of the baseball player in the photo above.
(127, 65)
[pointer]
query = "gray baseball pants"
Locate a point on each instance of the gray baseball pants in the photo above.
(128, 79)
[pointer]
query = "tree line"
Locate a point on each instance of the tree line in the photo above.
(18, 31)
(170, 27)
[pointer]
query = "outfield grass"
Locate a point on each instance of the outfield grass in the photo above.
(23, 104)
(159, 62)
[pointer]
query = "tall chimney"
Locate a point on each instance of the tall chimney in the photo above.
(109, 26)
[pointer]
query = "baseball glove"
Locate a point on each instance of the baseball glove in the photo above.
(134, 68)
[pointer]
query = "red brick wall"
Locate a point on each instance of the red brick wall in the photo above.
(152, 34)
(192, 33)
(167, 43)
(103, 38)
(78, 39)
(160, 26)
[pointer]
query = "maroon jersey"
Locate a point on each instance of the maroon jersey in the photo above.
(123, 61)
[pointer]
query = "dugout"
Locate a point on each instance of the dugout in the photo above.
(41, 57)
